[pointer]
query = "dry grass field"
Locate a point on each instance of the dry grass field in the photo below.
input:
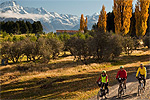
(63, 78)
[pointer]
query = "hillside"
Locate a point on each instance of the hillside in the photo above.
(63, 78)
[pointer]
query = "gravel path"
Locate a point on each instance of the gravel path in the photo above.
(131, 91)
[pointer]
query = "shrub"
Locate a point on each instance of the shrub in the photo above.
(12, 50)
(103, 46)
(28, 48)
(128, 45)
(77, 47)
(107, 46)
(146, 41)
(4, 34)
(56, 46)
(136, 43)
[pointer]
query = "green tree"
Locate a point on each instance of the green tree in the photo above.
(146, 41)
(110, 22)
(23, 27)
(132, 31)
(37, 27)
(14, 38)
(29, 26)
(128, 45)
(12, 50)
(16, 28)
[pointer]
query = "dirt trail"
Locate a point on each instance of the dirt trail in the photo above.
(132, 87)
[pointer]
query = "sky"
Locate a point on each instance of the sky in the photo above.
(74, 7)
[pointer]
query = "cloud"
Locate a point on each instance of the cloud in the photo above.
(11, 14)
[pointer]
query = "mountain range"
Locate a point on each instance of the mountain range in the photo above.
(51, 21)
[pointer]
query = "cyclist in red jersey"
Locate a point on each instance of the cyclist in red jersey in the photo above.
(123, 75)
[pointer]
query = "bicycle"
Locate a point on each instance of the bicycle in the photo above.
(140, 86)
(121, 88)
(102, 91)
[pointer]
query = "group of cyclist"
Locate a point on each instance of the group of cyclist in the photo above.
(103, 79)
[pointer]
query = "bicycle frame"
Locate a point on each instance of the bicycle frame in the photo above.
(140, 86)
(101, 92)
(120, 89)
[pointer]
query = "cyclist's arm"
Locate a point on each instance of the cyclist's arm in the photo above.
(99, 79)
(137, 72)
(145, 73)
(125, 74)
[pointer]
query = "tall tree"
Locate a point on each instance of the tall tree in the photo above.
(141, 16)
(110, 22)
(82, 23)
(37, 27)
(102, 21)
(123, 12)
(9, 26)
(16, 28)
(23, 27)
(29, 26)
(132, 26)
(148, 22)
(85, 25)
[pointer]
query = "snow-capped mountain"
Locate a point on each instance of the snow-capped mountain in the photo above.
(51, 21)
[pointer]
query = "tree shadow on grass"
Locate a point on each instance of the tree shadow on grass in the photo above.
(41, 67)
(130, 59)
(55, 87)
(69, 64)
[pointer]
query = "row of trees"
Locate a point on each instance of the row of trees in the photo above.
(101, 46)
(43, 49)
(97, 45)
(122, 20)
(21, 27)
(83, 24)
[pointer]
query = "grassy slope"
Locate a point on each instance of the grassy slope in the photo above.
(62, 78)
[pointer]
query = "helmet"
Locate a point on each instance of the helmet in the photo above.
(141, 65)
(121, 67)
(104, 71)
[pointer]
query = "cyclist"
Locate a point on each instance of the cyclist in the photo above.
(123, 75)
(103, 79)
(142, 71)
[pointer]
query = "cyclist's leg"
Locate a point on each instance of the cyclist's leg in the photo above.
(124, 83)
(102, 84)
(119, 82)
(139, 80)
(106, 87)
(144, 82)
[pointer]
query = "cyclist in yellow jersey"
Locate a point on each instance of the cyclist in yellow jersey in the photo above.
(143, 73)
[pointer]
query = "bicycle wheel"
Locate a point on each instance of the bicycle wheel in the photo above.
(119, 92)
(98, 95)
(122, 91)
(139, 90)
(142, 88)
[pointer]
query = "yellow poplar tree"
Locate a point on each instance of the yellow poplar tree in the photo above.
(123, 12)
(141, 16)
(102, 21)
(85, 24)
(82, 23)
